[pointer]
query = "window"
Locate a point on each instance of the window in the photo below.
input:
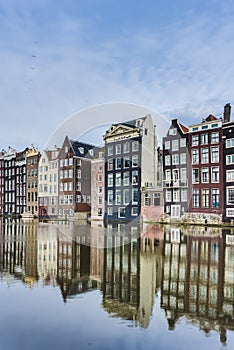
(183, 142)
(99, 189)
(118, 197)
(78, 186)
(175, 145)
(205, 155)
(205, 198)
(126, 162)
(100, 178)
(135, 161)
(175, 173)
(215, 174)
(183, 158)
(204, 139)
(126, 177)
(195, 198)
(99, 211)
(215, 198)
(183, 174)
(230, 175)
(126, 147)
(205, 175)
(176, 195)
(126, 196)
(135, 196)
(70, 173)
(147, 199)
(118, 163)
(173, 131)
(118, 148)
(168, 160)
(195, 156)
(79, 174)
(168, 175)
(195, 176)
(168, 195)
(175, 159)
(214, 154)
(110, 164)
(110, 197)
(110, 180)
(214, 137)
(230, 213)
(70, 161)
(230, 143)
(230, 159)
(81, 149)
(167, 144)
(110, 150)
(195, 140)
(121, 212)
(135, 178)
(230, 195)
(156, 199)
(110, 211)
(184, 195)
(215, 125)
(117, 179)
(78, 198)
(135, 146)
(134, 211)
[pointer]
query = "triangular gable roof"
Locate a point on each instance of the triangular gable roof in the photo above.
(210, 118)
(121, 128)
(183, 128)
(81, 149)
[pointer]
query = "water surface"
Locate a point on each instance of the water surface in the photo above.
(162, 288)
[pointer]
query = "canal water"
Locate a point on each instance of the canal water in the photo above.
(84, 287)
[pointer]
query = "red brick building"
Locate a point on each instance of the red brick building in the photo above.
(206, 170)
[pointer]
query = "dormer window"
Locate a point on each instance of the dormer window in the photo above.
(81, 149)
(139, 123)
(91, 152)
(173, 131)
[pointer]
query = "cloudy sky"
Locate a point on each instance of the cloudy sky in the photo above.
(60, 57)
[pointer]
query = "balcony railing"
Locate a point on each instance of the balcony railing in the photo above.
(175, 183)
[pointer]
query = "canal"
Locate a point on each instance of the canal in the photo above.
(121, 287)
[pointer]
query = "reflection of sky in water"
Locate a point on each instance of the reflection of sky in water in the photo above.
(38, 319)
(35, 316)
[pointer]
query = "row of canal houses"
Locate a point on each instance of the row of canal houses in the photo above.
(191, 178)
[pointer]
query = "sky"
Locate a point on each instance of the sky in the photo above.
(62, 57)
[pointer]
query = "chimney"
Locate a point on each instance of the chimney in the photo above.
(227, 113)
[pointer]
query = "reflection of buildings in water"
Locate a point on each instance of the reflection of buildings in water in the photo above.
(228, 290)
(73, 267)
(204, 290)
(12, 250)
(130, 277)
(31, 273)
(19, 251)
(205, 272)
(47, 254)
(174, 266)
(121, 277)
(151, 246)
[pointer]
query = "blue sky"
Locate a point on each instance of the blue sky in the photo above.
(59, 57)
